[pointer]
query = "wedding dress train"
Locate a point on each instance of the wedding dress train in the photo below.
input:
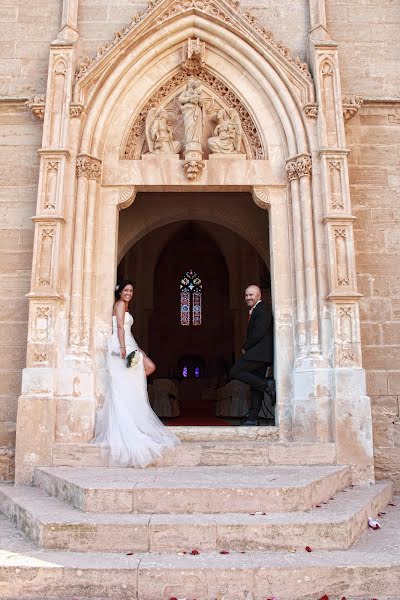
(128, 430)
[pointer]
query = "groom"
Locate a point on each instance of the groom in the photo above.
(257, 352)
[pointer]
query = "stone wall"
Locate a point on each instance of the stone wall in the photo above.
(374, 139)
(367, 32)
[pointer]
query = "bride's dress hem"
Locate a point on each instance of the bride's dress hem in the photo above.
(128, 432)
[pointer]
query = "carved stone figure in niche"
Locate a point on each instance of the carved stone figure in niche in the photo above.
(192, 109)
(159, 133)
(227, 134)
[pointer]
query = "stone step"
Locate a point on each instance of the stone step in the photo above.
(370, 569)
(193, 489)
(52, 524)
(191, 454)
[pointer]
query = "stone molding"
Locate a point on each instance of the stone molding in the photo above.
(225, 10)
(226, 95)
(89, 167)
(37, 105)
(299, 166)
(126, 197)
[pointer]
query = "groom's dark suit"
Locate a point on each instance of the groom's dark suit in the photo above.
(257, 356)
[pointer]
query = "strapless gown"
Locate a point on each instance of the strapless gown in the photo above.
(128, 430)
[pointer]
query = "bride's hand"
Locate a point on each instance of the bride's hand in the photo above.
(123, 352)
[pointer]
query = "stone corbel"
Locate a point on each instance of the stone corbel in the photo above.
(126, 198)
(311, 110)
(261, 197)
(351, 106)
(37, 105)
(75, 110)
(193, 168)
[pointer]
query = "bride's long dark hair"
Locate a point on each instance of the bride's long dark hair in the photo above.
(120, 286)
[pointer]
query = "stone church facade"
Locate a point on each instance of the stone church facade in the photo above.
(93, 121)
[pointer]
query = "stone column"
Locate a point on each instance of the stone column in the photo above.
(352, 423)
(46, 327)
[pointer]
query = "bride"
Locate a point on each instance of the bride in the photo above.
(128, 429)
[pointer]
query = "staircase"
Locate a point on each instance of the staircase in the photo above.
(213, 518)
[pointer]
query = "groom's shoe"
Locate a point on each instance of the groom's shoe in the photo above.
(249, 423)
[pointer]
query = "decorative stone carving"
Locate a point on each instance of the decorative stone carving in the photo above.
(342, 272)
(351, 106)
(335, 170)
(193, 56)
(227, 137)
(126, 197)
(261, 197)
(346, 353)
(228, 98)
(291, 170)
(159, 133)
(75, 110)
(89, 167)
(304, 165)
(37, 105)
(193, 168)
(311, 110)
(211, 8)
(191, 102)
(299, 166)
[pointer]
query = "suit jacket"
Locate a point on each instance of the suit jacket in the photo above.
(259, 339)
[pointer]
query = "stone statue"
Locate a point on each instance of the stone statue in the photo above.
(159, 133)
(227, 134)
(192, 108)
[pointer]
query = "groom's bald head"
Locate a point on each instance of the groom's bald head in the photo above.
(252, 295)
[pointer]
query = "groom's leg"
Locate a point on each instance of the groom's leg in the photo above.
(251, 372)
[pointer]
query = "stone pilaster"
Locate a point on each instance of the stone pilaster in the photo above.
(352, 426)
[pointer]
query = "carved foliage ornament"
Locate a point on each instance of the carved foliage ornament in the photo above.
(229, 98)
(299, 166)
(209, 7)
(88, 167)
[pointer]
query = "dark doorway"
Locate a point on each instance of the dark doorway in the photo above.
(190, 315)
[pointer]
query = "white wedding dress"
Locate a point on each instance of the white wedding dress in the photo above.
(128, 430)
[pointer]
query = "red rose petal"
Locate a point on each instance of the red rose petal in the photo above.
(129, 553)
(173, 599)
(325, 597)
(195, 552)
(224, 552)
(343, 598)
(390, 504)
(308, 549)
(317, 506)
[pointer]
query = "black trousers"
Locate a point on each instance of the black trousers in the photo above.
(252, 372)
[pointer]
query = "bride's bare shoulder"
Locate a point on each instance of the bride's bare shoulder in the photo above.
(119, 309)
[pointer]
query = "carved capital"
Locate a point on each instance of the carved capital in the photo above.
(304, 165)
(261, 197)
(89, 167)
(351, 106)
(37, 105)
(291, 170)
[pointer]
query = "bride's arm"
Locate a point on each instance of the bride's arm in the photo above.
(120, 314)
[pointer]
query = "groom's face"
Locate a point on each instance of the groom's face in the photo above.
(252, 295)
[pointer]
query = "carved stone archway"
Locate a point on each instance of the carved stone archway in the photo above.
(86, 178)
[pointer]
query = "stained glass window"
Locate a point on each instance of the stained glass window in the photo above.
(191, 290)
